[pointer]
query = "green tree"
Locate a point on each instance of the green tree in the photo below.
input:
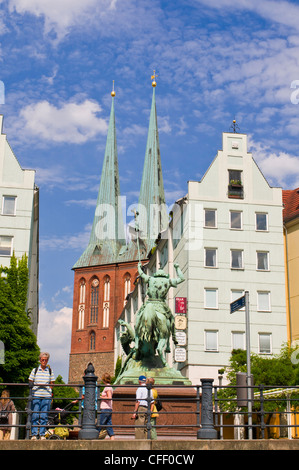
(63, 397)
(269, 372)
(20, 345)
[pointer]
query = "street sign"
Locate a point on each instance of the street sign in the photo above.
(237, 304)
(180, 355)
(180, 322)
(181, 338)
(180, 305)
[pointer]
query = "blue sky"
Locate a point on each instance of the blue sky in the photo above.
(216, 61)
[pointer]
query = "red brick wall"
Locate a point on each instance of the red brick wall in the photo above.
(104, 337)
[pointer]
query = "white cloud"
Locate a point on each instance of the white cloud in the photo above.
(67, 242)
(54, 336)
(60, 177)
(282, 12)
(280, 169)
(71, 122)
(61, 15)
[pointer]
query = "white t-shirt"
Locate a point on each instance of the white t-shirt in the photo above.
(142, 395)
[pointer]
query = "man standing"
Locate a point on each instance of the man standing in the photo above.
(141, 408)
(42, 377)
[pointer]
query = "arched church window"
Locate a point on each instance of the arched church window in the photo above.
(94, 301)
(81, 307)
(92, 341)
(127, 286)
(106, 289)
(106, 305)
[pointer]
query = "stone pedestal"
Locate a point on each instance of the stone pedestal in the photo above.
(179, 416)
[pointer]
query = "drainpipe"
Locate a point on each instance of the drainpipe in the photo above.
(288, 280)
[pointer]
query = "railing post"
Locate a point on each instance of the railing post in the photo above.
(207, 430)
(29, 411)
(262, 413)
(148, 420)
(89, 430)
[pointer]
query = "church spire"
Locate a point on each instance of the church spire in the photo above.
(152, 211)
(107, 234)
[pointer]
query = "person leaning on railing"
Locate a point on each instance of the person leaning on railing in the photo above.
(42, 377)
(7, 407)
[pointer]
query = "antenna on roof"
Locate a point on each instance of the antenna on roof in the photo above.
(234, 127)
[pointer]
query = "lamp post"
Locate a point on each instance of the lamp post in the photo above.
(88, 430)
(249, 384)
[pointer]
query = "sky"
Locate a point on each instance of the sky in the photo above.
(215, 61)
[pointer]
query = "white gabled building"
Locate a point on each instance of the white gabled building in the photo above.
(19, 219)
(227, 237)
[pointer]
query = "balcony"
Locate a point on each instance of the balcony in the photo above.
(235, 190)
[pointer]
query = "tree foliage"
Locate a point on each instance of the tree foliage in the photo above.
(63, 397)
(269, 373)
(20, 346)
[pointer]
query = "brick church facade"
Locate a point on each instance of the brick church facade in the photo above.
(106, 271)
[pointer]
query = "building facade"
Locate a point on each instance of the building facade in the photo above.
(106, 272)
(19, 219)
(226, 234)
(291, 239)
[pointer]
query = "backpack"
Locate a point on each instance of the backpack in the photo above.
(36, 369)
(4, 415)
(159, 405)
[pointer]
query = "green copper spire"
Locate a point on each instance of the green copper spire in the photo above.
(152, 210)
(107, 234)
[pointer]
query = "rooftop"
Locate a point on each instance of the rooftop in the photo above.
(291, 204)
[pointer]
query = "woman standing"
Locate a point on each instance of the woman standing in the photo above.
(106, 406)
(7, 407)
(154, 414)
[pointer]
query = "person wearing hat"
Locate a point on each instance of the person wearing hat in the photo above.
(141, 407)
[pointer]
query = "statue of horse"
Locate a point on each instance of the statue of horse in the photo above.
(152, 333)
(154, 324)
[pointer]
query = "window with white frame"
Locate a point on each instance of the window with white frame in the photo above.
(265, 343)
(211, 298)
(263, 301)
(236, 259)
(210, 218)
(6, 244)
(210, 257)
(235, 177)
(236, 220)
(262, 260)
(9, 205)
(164, 255)
(94, 301)
(211, 340)
(261, 221)
(81, 308)
(106, 305)
(127, 282)
(238, 340)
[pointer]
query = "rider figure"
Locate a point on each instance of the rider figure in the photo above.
(158, 287)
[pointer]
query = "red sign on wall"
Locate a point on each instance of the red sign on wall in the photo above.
(180, 305)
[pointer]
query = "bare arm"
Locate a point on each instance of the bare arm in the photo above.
(180, 278)
(141, 273)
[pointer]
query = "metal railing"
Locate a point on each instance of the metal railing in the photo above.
(204, 411)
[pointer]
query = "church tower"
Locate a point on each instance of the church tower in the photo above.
(152, 213)
(106, 271)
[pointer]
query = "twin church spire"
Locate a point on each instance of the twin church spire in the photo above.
(107, 243)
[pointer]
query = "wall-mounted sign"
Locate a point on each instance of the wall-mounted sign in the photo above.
(180, 305)
(181, 338)
(180, 354)
(180, 322)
